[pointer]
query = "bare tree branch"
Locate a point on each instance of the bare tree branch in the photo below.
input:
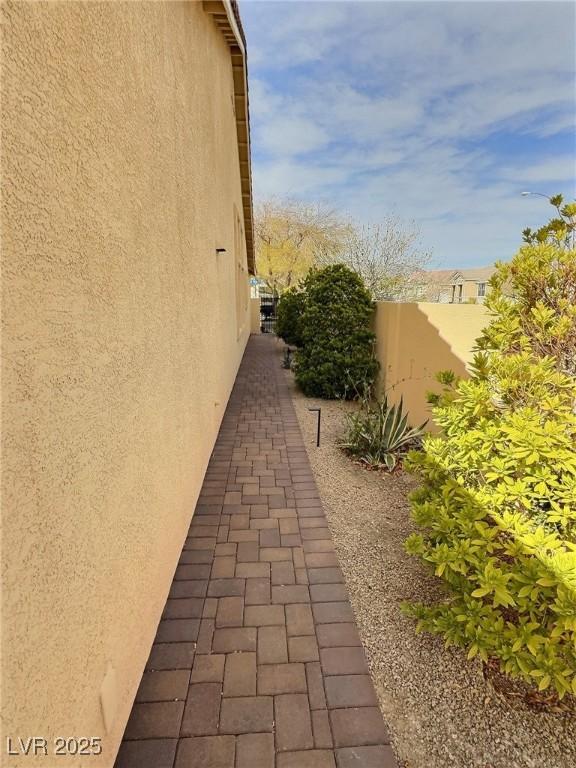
(288, 234)
(388, 257)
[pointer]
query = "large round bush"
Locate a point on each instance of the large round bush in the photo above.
(337, 354)
(289, 316)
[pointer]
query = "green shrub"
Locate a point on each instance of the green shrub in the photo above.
(497, 508)
(541, 318)
(379, 434)
(336, 358)
(289, 316)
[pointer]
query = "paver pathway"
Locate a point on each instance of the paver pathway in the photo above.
(257, 662)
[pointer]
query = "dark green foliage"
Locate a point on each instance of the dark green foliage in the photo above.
(336, 358)
(289, 316)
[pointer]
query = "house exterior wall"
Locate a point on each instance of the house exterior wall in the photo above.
(122, 335)
(415, 341)
(470, 290)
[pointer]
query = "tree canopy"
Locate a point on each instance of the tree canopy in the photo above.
(294, 237)
(289, 234)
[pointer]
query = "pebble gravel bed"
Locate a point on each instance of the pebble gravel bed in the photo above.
(441, 711)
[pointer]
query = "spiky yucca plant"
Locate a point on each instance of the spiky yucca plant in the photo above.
(378, 433)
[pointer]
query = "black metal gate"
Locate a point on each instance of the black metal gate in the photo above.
(268, 306)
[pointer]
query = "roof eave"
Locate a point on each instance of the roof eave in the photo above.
(227, 19)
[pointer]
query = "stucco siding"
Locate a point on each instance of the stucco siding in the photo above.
(120, 344)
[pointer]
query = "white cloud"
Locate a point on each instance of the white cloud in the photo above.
(555, 169)
(380, 107)
(312, 29)
(283, 134)
(296, 178)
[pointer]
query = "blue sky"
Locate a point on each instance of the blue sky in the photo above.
(437, 112)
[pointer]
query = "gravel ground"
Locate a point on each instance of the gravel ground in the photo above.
(440, 710)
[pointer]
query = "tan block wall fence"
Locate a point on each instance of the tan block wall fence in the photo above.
(415, 341)
(121, 341)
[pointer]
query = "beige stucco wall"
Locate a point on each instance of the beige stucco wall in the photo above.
(255, 315)
(120, 341)
(415, 341)
(470, 290)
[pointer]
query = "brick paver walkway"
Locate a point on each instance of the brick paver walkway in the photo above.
(257, 662)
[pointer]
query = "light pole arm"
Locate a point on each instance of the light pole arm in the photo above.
(540, 194)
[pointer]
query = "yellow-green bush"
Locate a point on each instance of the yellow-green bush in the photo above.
(497, 508)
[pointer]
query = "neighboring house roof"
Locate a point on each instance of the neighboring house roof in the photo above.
(452, 276)
(477, 275)
(431, 284)
(434, 276)
(227, 18)
(428, 285)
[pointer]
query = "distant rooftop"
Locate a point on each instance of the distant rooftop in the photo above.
(450, 276)
(480, 274)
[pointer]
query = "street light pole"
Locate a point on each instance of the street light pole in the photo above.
(540, 194)
(570, 220)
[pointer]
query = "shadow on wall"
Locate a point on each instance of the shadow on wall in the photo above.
(415, 341)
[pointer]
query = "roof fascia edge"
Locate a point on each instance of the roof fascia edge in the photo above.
(212, 7)
(232, 21)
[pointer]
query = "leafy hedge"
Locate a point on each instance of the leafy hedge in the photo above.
(336, 357)
(289, 316)
(497, 508)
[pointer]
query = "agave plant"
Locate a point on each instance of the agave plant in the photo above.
(378, 433)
